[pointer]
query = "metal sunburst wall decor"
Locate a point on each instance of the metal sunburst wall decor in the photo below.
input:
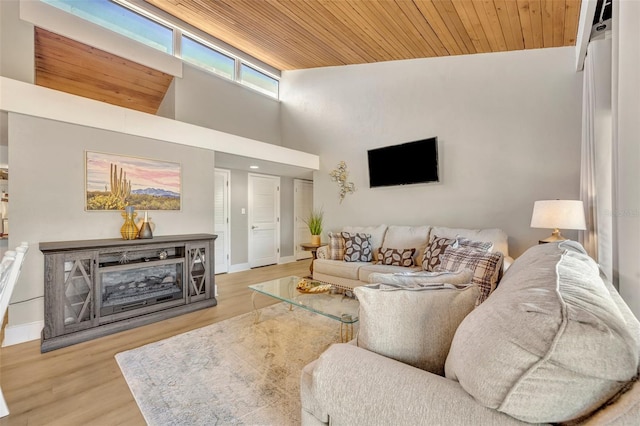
(340, 175)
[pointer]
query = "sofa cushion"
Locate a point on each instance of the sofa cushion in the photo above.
(396, 257)
(422, 278)
(367, 269)
(377, 235)
(413, 326)
(408, 237)
(357, 247)
(476, 245)
(336, 246)
(486, 267)
(554, 343)
(497, 236)
(338, 268)
(436, 247)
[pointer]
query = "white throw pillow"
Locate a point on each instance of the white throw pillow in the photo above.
(408, 237)
(475, 245)
(413, 326)
(422, 278)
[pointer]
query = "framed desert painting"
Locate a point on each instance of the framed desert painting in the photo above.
(114, 181)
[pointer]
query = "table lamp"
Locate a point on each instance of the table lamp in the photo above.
(556, 215)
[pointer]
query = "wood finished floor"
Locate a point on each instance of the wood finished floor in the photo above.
(82, 384)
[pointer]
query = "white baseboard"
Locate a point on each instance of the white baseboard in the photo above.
(239, 267)
(286, 259)
(245, 266)
(22, 333)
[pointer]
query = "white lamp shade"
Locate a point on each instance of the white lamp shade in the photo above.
(558, 214)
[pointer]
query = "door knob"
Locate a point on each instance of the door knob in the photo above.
(253, 227)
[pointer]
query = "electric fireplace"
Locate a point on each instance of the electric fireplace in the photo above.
(99, 287)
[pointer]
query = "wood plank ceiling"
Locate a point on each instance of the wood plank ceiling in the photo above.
(297, 34)
(66, 65)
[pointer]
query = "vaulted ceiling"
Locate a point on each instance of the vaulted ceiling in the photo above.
(297, 34)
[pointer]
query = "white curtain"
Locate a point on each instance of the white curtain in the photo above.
(596, 185)
(589, 238)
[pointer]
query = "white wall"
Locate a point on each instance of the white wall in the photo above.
(47, 195)
(626, 149)
(4, 136)
(239, 221)
(508, 125)
(167, 108)
(286, 217)
(16, 43)
(210, 101)
(203, 99)
(206, 100)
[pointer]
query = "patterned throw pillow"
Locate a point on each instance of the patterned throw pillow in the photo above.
(476, 245)
(396, 257)
(357, 247)
(336, 246)
(435, 249)
(486, 267)
(480, 246)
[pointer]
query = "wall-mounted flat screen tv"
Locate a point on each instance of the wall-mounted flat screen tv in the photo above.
(404, 164)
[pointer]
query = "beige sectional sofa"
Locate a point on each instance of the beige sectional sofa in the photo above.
(554, 343)
(349, 275)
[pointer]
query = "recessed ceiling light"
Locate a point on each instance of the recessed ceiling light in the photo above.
(254, 167)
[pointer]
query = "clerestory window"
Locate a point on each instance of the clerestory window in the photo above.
(121, 20)
(145, 29)
(258, 81)
(205, 57)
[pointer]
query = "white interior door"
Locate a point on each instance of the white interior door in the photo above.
(302, 206)
(264, 220)
(221, 220)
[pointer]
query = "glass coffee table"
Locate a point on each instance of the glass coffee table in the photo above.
(331, 304)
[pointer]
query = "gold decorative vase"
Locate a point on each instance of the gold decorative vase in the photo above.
(315, 240)
(129, 230)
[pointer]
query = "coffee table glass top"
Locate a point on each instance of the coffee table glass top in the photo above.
(332, 304)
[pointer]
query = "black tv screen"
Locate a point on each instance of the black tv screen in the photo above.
(404, 164)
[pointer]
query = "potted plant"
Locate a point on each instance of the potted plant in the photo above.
(314, 222)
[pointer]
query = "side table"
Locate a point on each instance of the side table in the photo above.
(313, 248)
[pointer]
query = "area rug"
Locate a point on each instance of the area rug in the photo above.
(232, 372)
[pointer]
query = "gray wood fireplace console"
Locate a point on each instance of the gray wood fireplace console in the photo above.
(97, 287)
